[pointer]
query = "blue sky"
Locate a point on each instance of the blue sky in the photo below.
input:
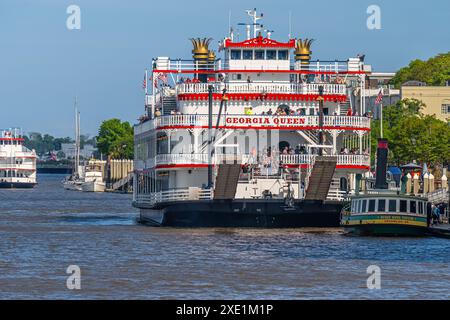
(43, 65)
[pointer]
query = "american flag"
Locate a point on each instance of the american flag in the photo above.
(144, 83)
(162, 77)
(379, 97)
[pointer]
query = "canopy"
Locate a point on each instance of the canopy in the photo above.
(411, 166)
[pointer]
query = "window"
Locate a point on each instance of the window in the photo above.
(372, 205)
(364, 206)
(412, 206)
(381, 205)
(247, 54)
(445, 109)
(271, 54)
(403, 207)
(282, 55)
(259, 54)
(392, 205)
(359, 206)
(235, 54)
(420, 207)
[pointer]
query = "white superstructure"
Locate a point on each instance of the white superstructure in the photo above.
(266, 97)
(17, 163)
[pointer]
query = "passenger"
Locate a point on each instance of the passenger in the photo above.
(157, 113)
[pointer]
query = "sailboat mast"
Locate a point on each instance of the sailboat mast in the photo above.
(77, 138)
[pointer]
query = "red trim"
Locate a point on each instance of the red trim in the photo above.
(168, 166)
(259, 42)
(348, 166)
(192, 71)
(12, 139)
(292, 166)
(263, 97)
(307, 128)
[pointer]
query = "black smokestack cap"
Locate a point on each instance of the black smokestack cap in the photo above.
(382, 153)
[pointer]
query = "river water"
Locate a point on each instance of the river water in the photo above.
(46, 229)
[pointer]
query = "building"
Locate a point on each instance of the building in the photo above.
(69, 150)
(374, 82)
(436, 99)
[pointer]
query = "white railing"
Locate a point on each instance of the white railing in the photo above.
(262, 87)
(438, 196)
(13, 166)
(288, 159)
(184, 158)
(194, 120)
(178, 65)
(336, 194)
(186, 194)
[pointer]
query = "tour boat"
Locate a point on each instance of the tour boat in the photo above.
(17, 163)
(261, 137)
(385, 212)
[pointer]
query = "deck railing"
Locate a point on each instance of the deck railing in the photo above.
(185, 194)
(263, 87)
(287, 159)
(297, 121)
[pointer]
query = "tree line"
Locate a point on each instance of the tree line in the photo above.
(413, 135)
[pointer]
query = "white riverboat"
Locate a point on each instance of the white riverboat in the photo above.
(17, 163)
(261, 137)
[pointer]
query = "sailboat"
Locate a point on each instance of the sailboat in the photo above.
(76, 179)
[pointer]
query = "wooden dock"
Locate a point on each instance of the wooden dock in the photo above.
(440, 230)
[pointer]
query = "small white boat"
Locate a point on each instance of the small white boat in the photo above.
(93, 177)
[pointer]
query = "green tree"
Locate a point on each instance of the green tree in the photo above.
(435, 71)
(412, 135)
(115, 139)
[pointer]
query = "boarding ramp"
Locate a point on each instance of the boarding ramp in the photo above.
(320, 177)
(439, 196)
(226, 181)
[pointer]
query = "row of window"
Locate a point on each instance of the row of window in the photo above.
(259, 54)
(10, 142)
(389, 205)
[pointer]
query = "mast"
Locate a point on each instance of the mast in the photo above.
(77, 139)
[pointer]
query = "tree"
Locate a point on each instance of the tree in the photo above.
(412, 135)
(435, 71)
(115, 139)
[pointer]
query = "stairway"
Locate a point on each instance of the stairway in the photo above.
(169, 103)
(226, 181)
(320, 178)
(344, 108)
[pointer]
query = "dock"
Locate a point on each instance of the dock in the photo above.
(440, 230)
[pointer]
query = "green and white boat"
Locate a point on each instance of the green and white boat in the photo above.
(384, 212)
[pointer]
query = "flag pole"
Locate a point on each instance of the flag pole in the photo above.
(381, 120)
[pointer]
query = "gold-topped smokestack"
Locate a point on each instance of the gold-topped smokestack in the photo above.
(201, 51)
(211, 56)
(303, 51)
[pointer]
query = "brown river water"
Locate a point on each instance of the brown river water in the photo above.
(46, 229)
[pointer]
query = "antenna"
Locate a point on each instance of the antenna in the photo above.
(256, 26)
(230, 30)
(290, 25)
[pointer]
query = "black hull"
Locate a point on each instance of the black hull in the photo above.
(16, 185)
(244, 214)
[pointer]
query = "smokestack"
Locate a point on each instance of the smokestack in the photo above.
(382, 153)
(303, 52)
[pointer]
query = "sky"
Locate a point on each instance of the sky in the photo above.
(44, 65)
